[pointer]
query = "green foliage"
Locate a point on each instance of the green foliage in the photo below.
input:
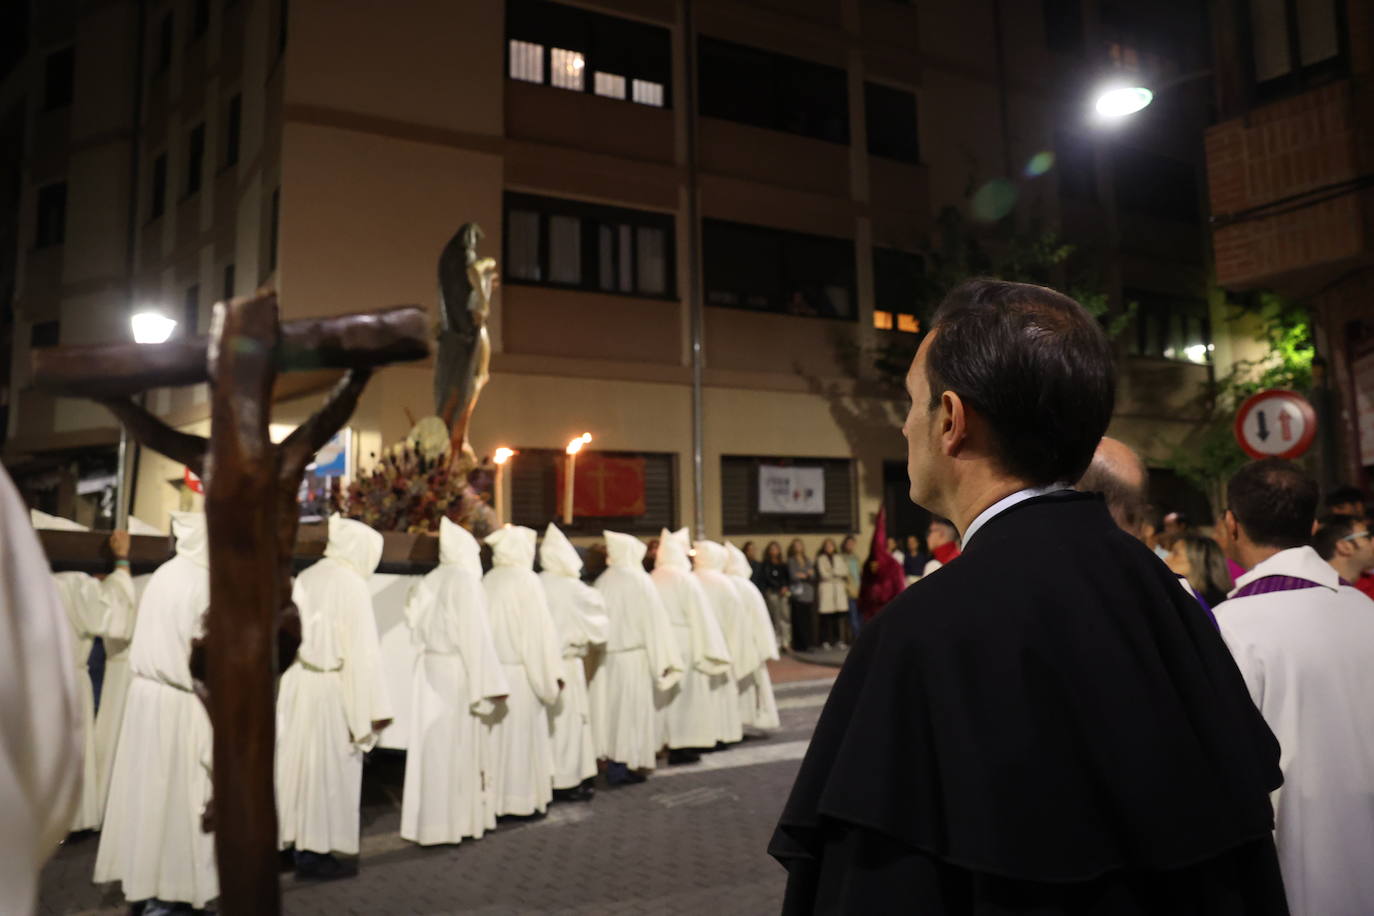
(1210, 458)
(1025, 252)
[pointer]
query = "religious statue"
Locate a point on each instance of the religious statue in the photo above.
(463, 363)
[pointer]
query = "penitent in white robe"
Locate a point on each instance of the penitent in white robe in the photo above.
(457, 679)
(641, 656)
(1307, 656)
(736, 622)
(331, 696)
(527, 645)
(689, 712)
(115, 689)
(94, 608)
(757, 705)
(153, 842)
(579, 612)
(40, 710)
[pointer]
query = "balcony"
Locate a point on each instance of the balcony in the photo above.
(1283, 181)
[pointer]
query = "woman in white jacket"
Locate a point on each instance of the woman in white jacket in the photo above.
(832, 598)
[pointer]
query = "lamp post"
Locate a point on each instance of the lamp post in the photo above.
(499, 458)
(149, 327)
(573, 448)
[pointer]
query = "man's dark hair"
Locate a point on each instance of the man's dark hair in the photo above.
(1035, 365)
(1274, 501)
(1342, 496)
(1331, 530)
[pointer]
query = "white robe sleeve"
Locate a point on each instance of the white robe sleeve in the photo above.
(486, 676)
(40, 721)
(539, 649)
(365, 695)
(590, 617)
(743, 647)
(710, 651)
(665, 658)
(121, 606)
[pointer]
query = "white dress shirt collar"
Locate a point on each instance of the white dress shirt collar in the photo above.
(1005, 503)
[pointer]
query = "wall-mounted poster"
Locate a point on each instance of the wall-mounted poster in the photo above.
(791, 490)
(332, 462)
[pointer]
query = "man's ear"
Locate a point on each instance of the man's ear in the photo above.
(953, 420)
(1232, 526)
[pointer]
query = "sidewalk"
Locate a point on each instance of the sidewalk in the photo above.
(805, 666)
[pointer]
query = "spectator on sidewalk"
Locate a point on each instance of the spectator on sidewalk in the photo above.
(943, 542)
(802, 587)
(775, 581)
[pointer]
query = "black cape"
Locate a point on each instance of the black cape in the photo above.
(1046, 725)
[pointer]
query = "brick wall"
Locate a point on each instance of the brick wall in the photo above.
(1286, 148)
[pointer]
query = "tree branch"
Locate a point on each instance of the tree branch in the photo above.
(158, 436)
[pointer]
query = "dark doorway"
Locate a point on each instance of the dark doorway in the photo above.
(903, 516)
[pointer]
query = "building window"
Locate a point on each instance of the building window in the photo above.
(751, 86)
(1155, 185)
(191, 311)
(585, 246)
(45, 334)
(1294, 43)
(560, 45)
(274, 230)
(164, 45)
(159, 202)
(526, 61)
(1064, 26)
(227, 291)
(898, 278)
(609, 85)
(200, 18)
(52, 215)
(233, 130)
(195, 158)
(821, 500)
(58, 79)
(890, 115)
(1170, 327)
(634, 492)
(770, 270)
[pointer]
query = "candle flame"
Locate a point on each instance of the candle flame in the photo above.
(503, 454)
(575, 445)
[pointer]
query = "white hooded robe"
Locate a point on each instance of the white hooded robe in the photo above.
(458, 678)
(757, 705)
(94, 608)
(40, 709)
(331, 695)
(579, 612)
(737, 625)
(690, 710)
(641, 655)
(153, 842)
(527, 645)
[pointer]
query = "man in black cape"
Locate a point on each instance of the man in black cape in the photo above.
(1046, 725)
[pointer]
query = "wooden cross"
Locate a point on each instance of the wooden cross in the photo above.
(251, 489)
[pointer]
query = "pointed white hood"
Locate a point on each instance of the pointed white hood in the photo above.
(458, 548)
(674, 549)
(42, 521)
(557, 554)
(709, 556)
(736, 563)
(193, 541)
(513, 545)
(624, 551)
(354, 543)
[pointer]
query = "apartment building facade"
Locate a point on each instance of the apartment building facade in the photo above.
(780, 163)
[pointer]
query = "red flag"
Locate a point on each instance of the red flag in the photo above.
(604, 486)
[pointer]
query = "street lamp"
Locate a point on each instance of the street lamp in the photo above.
(149, 327)
(1118, 100)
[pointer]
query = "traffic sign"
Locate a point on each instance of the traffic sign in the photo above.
(193, 481)
(1276, 424)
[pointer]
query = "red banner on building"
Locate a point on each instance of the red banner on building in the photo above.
(604, 486)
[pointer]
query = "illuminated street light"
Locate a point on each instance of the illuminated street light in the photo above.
(152, 327)
(1121, 101)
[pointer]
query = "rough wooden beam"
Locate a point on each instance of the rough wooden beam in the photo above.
(107, 371)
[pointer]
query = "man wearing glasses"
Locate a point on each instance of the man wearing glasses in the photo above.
(1348, 545)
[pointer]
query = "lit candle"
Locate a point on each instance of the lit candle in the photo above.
(574, 447)
(501, 456)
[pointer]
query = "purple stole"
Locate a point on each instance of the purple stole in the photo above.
(1267, 584)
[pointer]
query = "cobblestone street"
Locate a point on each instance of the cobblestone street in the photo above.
(690, 840)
